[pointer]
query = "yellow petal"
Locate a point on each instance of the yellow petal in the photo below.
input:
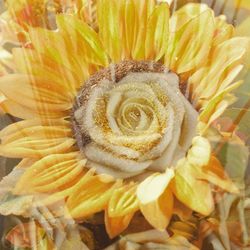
(156, 200)
(23, 112)
(123, 201)
(91, 195)
(223, 31)
(200, 152)
(190, 44)
(194, 193)
(212, 109)
(157, 33)
(31, 138)
(31, 62)
(208, 81)
(35, 94)
(90, 47)
(116, 225)
(51, 174)
(109, 30)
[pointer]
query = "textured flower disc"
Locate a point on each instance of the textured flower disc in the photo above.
(132, 118)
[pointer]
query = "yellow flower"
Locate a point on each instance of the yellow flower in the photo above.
(114, 120)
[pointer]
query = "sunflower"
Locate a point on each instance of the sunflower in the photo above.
(115, 118)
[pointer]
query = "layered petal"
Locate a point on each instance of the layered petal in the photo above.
(123, 201)
(116, 225)
(53, 173)
(36, 94)
(193, 192)
(189, 42)
(156, 200)
(33, 138)
(145, 39)
(223, 66)
(91, 195)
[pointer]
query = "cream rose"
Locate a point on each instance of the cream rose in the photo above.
(137, 124)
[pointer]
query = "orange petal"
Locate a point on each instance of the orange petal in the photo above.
(116, 225)
(51, 174)
(91, 195)
(156, 200)
(123, 201)
(215, 174)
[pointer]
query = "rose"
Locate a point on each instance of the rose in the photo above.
(137, 124)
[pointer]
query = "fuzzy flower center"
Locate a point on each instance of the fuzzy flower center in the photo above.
(132, 118)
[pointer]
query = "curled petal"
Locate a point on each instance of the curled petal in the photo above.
(200, 152)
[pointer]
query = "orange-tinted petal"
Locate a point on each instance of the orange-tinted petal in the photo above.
(123, 201)
(90, 195)
(156, 200)
(116, 225)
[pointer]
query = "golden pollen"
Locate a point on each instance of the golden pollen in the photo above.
(132, 118)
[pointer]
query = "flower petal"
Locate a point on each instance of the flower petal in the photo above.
(33, 93)
(90, 47)
(194, 193)
(51, 174)
(123, 201)
(156, 200)
(215, 174)
(200, 152)
(116, 225)
(157, 33)
(91, 195)
(190, 43)
(31, 138)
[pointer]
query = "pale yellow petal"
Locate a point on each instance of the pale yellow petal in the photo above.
(156, 200)
(194, 193)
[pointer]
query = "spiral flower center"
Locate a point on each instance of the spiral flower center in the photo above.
(132, 118)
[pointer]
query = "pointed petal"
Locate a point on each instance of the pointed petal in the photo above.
(33, 93)
(31, 138)
(157, 33)
(90, 47)
(51, 174)
(116, 225)
(156, 200)
(123, 201)
(190, 42)
(91, 195)
(224, 60)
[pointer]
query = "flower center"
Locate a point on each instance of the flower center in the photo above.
(132, 118)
